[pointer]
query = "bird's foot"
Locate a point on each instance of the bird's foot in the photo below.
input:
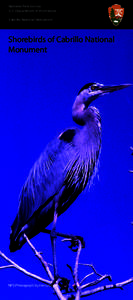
(62, 282)
(80, 238)
(74, 240)
(75, 243)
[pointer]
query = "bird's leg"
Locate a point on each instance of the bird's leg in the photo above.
(71, 237)
(53, 242)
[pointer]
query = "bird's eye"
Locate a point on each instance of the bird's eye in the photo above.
(93, 87)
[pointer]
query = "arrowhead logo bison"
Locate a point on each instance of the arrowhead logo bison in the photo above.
(116, 13)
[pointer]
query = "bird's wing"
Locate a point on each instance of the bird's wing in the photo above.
(46, 178)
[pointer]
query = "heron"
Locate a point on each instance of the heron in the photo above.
(65, 167)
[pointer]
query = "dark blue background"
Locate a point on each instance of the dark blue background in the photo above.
(37, 92)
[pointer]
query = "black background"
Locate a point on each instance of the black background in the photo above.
(81, 15)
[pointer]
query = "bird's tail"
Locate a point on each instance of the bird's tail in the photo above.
(13, 235)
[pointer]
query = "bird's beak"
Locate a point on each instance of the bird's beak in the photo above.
(113, 88)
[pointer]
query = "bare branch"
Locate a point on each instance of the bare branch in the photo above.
(70, 270)
(77, 290)
(6, 267)
(43, 262)
(77, 263)
(100, 289)
(58, 292)
(77, 294)
(54, 283)
(16, 266)
(88, 275)
(92, 267)
(50, 283)
(75, 274)
(95, 281)
(107, 287)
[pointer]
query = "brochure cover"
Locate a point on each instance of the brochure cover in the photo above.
(66, 170)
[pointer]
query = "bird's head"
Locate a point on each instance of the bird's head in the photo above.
(91, 91)
(87, 94)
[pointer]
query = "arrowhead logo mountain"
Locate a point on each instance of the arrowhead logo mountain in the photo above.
(116, 13)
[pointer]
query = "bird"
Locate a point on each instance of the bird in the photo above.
(63, 170)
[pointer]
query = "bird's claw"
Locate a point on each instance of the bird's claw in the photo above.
(80, 238)
(75, 243)
(64, 284)
(74, 240)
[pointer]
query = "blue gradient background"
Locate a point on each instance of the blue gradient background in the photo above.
(37, 92)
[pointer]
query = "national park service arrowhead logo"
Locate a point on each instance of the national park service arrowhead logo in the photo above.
(116, 13)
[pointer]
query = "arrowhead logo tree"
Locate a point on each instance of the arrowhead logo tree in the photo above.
(116, 13)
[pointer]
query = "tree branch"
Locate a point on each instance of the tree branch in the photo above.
(95, 281)
(100, 289)
(76, 281)
(88, 275)
(92, 267)
(6, 267)
(102, 277)
(77, 290)
(77, 264)
(107, 287)
(39, 256)
(16, 266)
(53, 283)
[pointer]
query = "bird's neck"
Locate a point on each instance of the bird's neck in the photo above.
(78, 112)
(85, 116)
